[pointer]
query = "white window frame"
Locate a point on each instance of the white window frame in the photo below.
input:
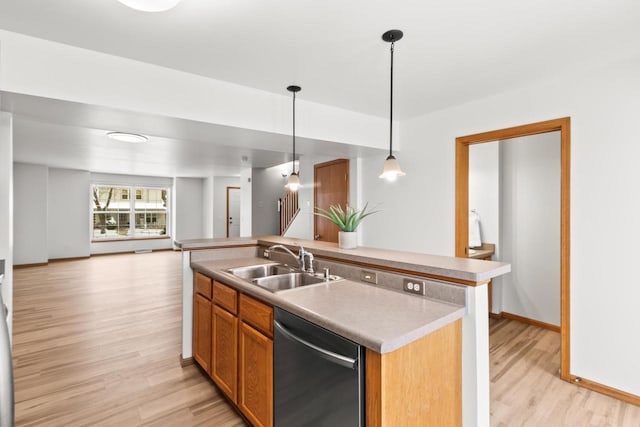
(132, 212)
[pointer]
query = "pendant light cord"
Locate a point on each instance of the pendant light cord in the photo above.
(391, 107)
(293, 162)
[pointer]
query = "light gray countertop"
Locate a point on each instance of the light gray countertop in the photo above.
(464, 269)
(382, 320)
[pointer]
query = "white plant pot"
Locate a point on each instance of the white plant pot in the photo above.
(347, 239)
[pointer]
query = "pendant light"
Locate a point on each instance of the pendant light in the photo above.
(150, 5)
(391, 168)
(293, 183)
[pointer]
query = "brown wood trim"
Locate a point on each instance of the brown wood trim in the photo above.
(77, 258)
(226, 218)
(129, 239)
(533, 322)
(291, 222)
(462, 210)
(565, 248)
(315, 186)
(186, 362)
(606, 390)
(36, 264)
(462, 199)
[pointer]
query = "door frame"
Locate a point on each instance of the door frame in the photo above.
(462, 209)
(315, 187)
(227, 217)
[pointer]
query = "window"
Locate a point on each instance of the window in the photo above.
(117, 217)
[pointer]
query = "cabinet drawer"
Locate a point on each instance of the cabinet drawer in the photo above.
(225, 297)
(203, 285)
(257, 314)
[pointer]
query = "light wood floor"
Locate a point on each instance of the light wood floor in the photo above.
(97, 342)
(527, 391)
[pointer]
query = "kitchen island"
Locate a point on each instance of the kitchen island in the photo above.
(387, 321)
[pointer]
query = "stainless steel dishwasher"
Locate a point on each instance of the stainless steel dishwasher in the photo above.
(318, 376)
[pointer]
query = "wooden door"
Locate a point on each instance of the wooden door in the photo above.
(255, 397)
(331, 187)
(202, 332)
(224, 361)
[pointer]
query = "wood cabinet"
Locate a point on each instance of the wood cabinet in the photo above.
(224, 362)
(202, 331)
(232, 341)
(256, 376)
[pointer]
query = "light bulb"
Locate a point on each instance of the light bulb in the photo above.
(391, 169)
(293, 183)
(150, 5)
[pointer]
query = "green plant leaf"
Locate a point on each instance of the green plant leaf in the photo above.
(347, 219)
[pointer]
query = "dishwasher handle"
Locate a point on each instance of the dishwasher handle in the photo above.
(336, 358)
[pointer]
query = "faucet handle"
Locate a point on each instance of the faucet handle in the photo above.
(326, 275)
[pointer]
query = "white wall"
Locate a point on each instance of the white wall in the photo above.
(484, 196)
(30, 184)
(603, 105)
(68, 231)
(43, 68)
(530, 226)
(220, 184)
(6, 211)
(188, 208)
(484, 188)
(268, 187)
(246, 198)
(207, 207)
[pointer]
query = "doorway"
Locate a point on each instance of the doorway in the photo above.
(331, 187)
(462, 209)
(233, 211)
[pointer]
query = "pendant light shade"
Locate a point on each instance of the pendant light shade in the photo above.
(391, 168)
(293, 183)
(150, 5)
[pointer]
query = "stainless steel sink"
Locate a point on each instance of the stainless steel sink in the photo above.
(251, 272)
(287, 281)
(276, 277)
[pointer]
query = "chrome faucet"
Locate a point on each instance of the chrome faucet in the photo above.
(301, 257)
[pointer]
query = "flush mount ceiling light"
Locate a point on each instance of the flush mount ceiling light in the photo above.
(391, 166)
(293, 183)
(150, 5)
(127, 137)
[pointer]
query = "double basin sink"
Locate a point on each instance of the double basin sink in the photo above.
(278, 277)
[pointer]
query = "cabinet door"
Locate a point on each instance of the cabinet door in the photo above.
(224, 363)
(255, 397)
(202, 331)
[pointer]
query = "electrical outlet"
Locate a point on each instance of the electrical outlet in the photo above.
(266, 253)
(413, 286)
(369, 276)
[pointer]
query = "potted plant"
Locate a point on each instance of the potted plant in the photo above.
(347, 221)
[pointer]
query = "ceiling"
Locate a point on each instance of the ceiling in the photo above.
(71, 135)
(453, 51)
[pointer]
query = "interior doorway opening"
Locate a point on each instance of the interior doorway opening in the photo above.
(462, 208)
